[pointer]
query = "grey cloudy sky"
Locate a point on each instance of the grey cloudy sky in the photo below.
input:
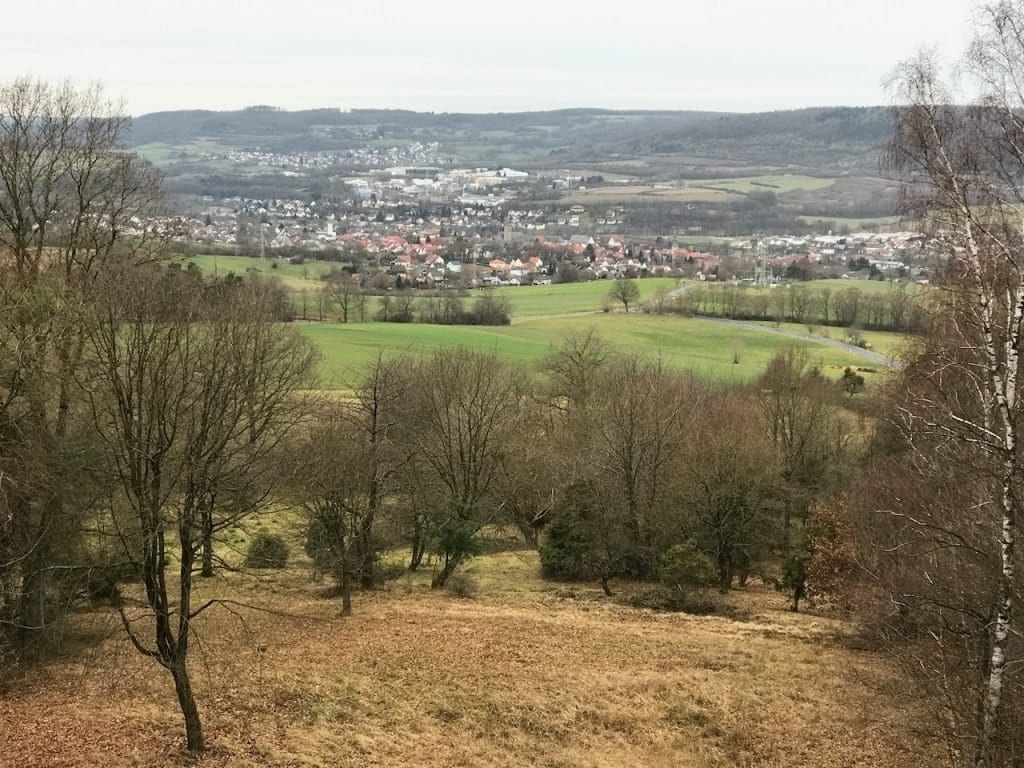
(470, 55)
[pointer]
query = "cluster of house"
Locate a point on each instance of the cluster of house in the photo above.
(429, 222)
(883, 250)
(369, 156)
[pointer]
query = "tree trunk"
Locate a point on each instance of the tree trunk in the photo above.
(450, 564)
(346, 591)
(1004, 617)
(207, 570)
(724, 572)
(31, 607)
(607, 589)
(417, 555)
(419, 546)
(366, 575)
(187, 702)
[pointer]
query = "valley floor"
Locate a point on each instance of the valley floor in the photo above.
(526, 674)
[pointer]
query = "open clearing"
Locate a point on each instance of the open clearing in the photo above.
(628, 193)
(296, 277)
(888, 343)
(529, 673)
(543, 315)
(555, 299)
(699, 190)
(702, 346)
(777, 184)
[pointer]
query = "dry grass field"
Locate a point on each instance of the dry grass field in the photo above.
(632, 193)
(527, 673)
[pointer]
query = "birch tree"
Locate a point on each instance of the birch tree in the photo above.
(964, 172)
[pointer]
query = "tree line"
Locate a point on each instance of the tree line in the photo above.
(896, 309)
(344, 293)
(142, 409)
(606, 462)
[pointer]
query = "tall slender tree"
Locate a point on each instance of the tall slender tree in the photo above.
(964, 168)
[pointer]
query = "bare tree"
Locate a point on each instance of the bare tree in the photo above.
(625, 290)
(187, 400)
(376, 412)
(640, 428)
(328, 484)
(69, 198)
(348, 466)
(573, 369)
(342, 290)
(729, 472)
(462, 410)
(798, 413)
(964, 167)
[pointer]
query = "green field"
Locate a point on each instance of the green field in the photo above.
(865, 286)
(888, 343)
(544, 314)
(539, 300)
(295, 277)
(701, 346)
(527, 300)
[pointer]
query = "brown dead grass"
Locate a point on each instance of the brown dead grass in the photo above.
(513, 678)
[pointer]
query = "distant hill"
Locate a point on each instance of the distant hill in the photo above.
(320, 128)
(829, 141)
(826, 137)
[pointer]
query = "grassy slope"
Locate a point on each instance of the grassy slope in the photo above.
(691, 344)
(296, 277)
(889, 343)
(538, 300)
(528, 674)
(687, 344)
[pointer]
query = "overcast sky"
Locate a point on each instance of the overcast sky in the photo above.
(456, 55)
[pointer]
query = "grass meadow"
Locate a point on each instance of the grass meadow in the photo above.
(888, 343)
(543, 315)
(296, 277)
(702, 346)
(547, 300)
(526, 673)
